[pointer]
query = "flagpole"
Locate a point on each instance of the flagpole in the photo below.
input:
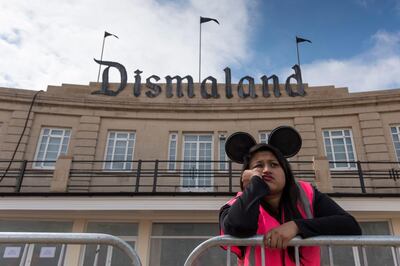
(101, 57)
(298, 56)
(200, 55)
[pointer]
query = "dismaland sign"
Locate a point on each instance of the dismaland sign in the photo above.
(207, 92)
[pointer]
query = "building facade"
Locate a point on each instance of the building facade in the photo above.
(153, 170)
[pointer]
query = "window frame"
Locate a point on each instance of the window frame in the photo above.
(336, 168)
(109, 250)
(260, 138)
(173, 164)
(39, 163)
(124, 169)
(27, 249)
(396, 152)
(197, 188)
(222, 156)
(176, 237)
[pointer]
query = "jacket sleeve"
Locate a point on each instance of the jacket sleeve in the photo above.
(329, 219)
(241, 218)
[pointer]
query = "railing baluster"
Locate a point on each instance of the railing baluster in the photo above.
(330, 255)
(155, 176)
(24, 254)
(356, 256)
(138, 173)
(230, 175)
(194, 179)
(297, 255)
(20, 176)
(365, 259)
(262, 256)
(228, 256)
(395, 256)
(62, 255)
(361, 176)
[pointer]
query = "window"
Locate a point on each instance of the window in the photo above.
(108, 255)
(339, 147)
(396, 140)
(172, 151)
(171, 244)
(197, 165)
(33, 254)
(223, 165)
(119, 154)
(350, 256)
(52, 143)
(263, 136)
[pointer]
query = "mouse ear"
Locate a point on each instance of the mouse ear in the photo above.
(238, 145)
(286, 139)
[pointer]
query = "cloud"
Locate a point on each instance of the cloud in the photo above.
(376, 69)
(52, 42)
(364, 3)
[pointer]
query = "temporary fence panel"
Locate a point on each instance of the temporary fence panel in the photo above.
(359, 244)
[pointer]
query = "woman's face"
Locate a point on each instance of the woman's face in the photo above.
(272, 172)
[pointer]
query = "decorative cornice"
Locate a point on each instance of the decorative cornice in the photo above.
(105, 103)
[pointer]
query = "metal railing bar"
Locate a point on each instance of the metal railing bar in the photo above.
(263, 257)
(364, 254)
(330, 255)
(370, 240)
(220, 241)
(356, 256)
(70, 238)
(228, 255)
(297, 255)
(397, 255)
(228, 177)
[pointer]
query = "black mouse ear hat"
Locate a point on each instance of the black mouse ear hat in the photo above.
(284, 138)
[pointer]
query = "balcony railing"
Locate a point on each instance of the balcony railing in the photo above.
(194, 177)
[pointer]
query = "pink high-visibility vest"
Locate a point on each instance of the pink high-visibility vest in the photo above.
(309, 256)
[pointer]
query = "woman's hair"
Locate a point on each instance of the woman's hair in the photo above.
(290, 194)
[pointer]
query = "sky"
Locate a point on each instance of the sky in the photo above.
(355, 43)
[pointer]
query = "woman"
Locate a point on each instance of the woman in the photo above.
(272, 203)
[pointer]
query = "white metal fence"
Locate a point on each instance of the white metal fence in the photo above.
(70, 238)
(359, 244)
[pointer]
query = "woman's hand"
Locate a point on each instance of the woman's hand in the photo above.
(248, 174)
(280, 236)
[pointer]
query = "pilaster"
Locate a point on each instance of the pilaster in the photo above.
(85, 150)
(306, 127)
(12, 133)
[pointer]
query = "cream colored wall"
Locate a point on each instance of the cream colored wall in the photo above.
(52, 121)
(390, 119)
(4, 118)
(91, 117)
(340, 122)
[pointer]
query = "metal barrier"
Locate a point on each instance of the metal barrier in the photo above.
(362, 241)
(70, 238)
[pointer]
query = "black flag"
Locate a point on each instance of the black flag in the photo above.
(204, 20)
(298, 39)
(106, 34)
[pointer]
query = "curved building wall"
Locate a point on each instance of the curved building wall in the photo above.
(367, 119)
